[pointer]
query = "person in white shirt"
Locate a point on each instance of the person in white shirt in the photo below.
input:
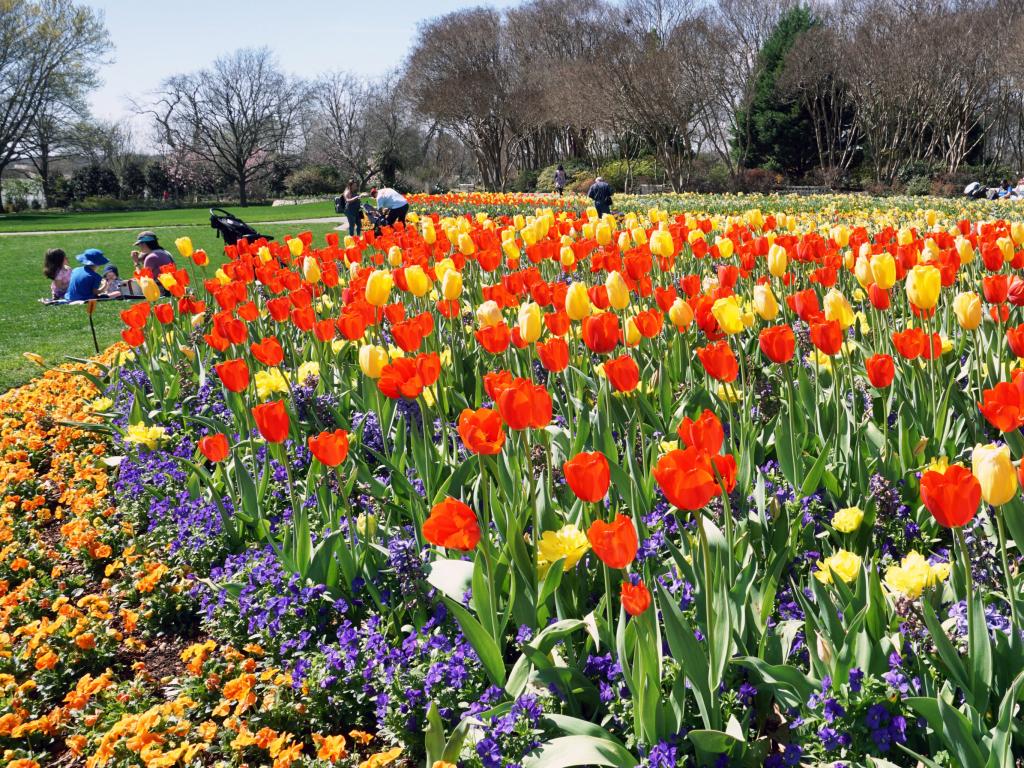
(391, 202)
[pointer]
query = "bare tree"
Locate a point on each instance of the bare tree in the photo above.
(814, 76)
(341, 129)
(461, 75)
(239, 115)
(47, 47)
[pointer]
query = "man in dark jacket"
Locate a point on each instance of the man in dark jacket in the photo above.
(601, 193)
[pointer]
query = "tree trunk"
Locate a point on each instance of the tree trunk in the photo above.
(243, 196)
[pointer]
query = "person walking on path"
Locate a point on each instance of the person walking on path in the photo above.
(560, 179)
(601, 193)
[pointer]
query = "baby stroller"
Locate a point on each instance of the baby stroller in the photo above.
(232, 229)
(375, 217)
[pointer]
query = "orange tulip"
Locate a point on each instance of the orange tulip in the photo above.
(615, 543)
(705, 434)
(330, 448)
(214, 447)
(687, 478)
(481, 431)
(719, 361)
(272, 421)
(452, 525)
(234, 374)
(636, 598)
(952, 496)
(588, 475)
(623, 373)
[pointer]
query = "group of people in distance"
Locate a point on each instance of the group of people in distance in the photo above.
(88, 281)
(390, 203)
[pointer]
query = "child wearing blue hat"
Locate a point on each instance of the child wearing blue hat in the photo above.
(86, 283)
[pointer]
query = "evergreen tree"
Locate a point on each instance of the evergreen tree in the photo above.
(777, 131)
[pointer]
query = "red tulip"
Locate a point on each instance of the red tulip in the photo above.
(588, 475)
(623, 373)
(827, 336)
(778, 343)
(525, 405)
(952, 496)
(494, 338)
(452, 525)
(601, 332)
(881, 370)
(481, 431)
(272, 421)
(1015, 339)
(1003, 405)
(268, 351)
(214, 447)
(636, 598)
(234, 374)
(909, 343)
(719, 361)
(554, 354)
(615, 543)
(330, 448)
(705, 434)
(687, 478)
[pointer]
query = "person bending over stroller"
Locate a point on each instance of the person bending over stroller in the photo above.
(391, 203)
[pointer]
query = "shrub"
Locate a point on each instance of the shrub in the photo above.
(618, 172)
(526, 181)
(313, 180)
(574, 170)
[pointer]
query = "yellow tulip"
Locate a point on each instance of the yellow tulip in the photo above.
(728, 314)
(466, 245)
(167, 280)
(451, 284)
(566, 256)
(848, 519)
(1005, 245)
(914, 574)
(992, 466)
(964, 250)
(603, 233)
(184, 246)
(764, 302)
(924, 282)
(310, 270)
(618, 291)
(862, 271)
(372, 360)
(488, 314)
(530, 322)
(778, 260)
(639, 235)
(904, 236)
(680, 314)
(577, 302)
(378, 287)
(150, 289)
(838, 308)
(967, 308)
(510, 249)
(883, 270)
(631, 333)
(417, 280)
(1017, 232)
(568, 543)
(725, 246)
(429, 234)
(845, 565)
(395, 256)
(661, 243)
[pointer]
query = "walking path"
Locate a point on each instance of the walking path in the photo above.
(343, 224)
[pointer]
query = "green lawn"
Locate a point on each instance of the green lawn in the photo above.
(56, 332)
(42, 221)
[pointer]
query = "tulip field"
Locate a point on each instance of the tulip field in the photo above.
(704, 482)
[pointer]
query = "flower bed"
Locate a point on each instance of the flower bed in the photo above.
(535, 490)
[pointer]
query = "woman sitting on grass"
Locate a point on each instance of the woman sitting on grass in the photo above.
(56, 269)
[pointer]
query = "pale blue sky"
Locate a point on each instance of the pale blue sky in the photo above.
(155, 39)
